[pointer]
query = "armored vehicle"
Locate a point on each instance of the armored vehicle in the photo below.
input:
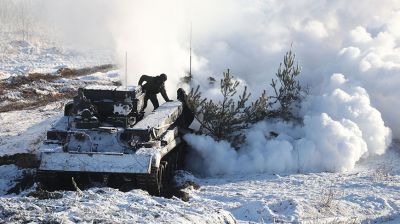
(104, 138)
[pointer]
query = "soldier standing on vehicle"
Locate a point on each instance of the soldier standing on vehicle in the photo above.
(152, 87)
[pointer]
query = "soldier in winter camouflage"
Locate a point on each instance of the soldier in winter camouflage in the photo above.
(152, 87)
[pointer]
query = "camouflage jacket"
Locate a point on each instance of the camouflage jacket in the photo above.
(153, 85)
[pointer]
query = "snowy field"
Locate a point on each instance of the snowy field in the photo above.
(18, 57)
(107, 205)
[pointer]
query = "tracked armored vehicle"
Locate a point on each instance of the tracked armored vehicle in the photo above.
(104, 138)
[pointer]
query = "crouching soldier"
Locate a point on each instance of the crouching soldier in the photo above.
(152, 87)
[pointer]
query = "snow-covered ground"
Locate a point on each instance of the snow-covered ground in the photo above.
(107, 205)
(23, 131)
(19, 57)
(8, 175)
(368, 193)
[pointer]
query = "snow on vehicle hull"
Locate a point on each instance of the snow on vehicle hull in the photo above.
(103, 162)
(95, 162)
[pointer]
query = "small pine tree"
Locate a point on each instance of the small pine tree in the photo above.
(287, 89)
(258, 109)
(227, 118)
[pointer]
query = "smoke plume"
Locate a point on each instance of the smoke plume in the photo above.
(340, 127)
(357, 39)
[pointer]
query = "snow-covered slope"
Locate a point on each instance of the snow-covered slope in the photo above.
(23, 131)
(107, 205)
(23, 57)
(368, 193)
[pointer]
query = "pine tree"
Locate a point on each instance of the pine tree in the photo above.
(287, 89)
(227, 118)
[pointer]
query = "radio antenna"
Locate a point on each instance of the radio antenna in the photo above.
(126, 70)
(126, 86)
(190, 59)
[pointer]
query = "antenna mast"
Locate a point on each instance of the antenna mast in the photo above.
(126, 85)
(190, 63)
(126, 70)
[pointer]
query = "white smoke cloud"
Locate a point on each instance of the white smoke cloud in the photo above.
(151, 32)
(360, 40)
(250, 37)
(340, 127)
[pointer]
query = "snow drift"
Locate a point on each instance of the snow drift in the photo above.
(340, 127)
